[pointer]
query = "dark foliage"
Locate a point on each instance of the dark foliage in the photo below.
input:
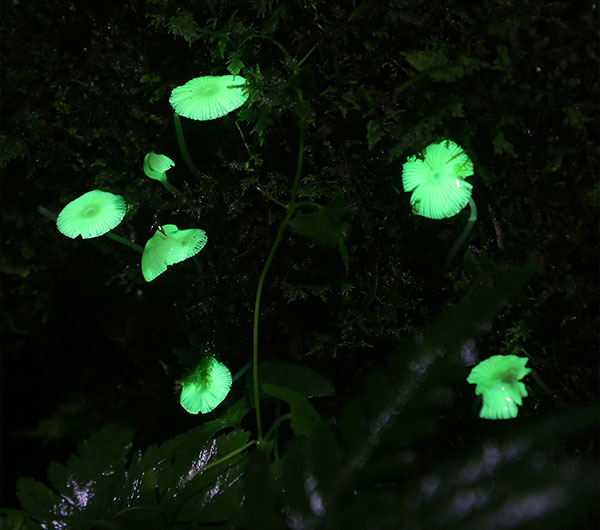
(88, 346)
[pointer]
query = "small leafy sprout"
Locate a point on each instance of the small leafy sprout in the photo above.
(206, 387)
(156, 167)
(436, 179)
(92, 215)
(498, 380)
(208, 97)
(169, 246)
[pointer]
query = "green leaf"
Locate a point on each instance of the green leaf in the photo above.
(184, 25)
(304, 417)
(36, 498)
(234, 63)
(259, 509)
(296, 377)
(214, 494)
(324, 226)
(374, 133)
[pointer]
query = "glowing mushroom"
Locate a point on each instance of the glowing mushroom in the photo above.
(497, 379)
(169, 246)
(92, 215)
(156, 167)
(436, 178)
(208, 97)
(206, 387)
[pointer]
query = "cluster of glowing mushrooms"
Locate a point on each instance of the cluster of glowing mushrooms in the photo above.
(436, 178)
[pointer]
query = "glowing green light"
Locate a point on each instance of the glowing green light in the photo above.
(156, 166)
(92, 215)
(206, 387)
(169, 247)
(208, 97)
(436, 179)
(498, 380)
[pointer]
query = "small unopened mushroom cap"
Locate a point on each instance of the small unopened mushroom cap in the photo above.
(156, 166)
(169, 248)
(436, 179)
(206, 387)
(497, 379)
(208, 97)
(93, 214)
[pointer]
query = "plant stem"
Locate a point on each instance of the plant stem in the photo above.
(183, 148)
(228, 456)
(308, 203)
(278, 422)
(243, 139)
(270, 197)
(290, 210)
(115, 237)
(463, 235)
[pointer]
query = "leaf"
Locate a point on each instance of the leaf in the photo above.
(259, 509)
(296, 377)
(304, 417)
(374, 133)
(214, 494)
(323, 226)
(184, 25)
(36, 498)
(234, 63)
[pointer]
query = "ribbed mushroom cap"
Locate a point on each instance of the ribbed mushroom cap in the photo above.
(208, 97)
(436, 179)
(498, 380)
(206, 387)
(169, 248)
(93, 214)
(156, 166)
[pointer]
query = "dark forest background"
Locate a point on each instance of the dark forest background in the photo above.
(86, 342)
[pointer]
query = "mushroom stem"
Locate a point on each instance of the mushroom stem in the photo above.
(183, 148)
(241, 372)
(461, 239)
(170, 188)
(125, 242)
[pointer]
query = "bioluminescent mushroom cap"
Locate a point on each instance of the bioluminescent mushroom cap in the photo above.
(498, 380)
(92, 215)
(206, 387)
(437, 180)
(156, 166)
(169, 247)
(208, 97)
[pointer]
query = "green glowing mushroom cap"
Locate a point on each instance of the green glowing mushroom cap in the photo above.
(156, 166)
(497, 379)
(437, 180)
(206, 387)
(169, 247)
(92, 215)
(208, 97)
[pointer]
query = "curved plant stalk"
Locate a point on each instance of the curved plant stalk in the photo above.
(270, 197)
(183, 147)
(462, 237)
(290, 210)
(237, 125)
